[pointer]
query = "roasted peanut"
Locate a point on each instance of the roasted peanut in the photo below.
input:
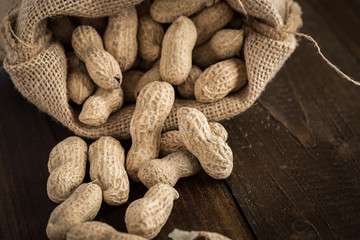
(146, 216)
(107, 166)
(67, 164)
(82, 205)
(220, 79)
(101, 65)
(95, 230)
(176, 53)
(120, 37)
(150, 76)
(169, 169)
(130, 79)
(182, 235)
(186, 89)
(97, 108)
(153, 105)
(150, 36)
(171, 141)
(224, 44)
(167, 11)
(214, 155)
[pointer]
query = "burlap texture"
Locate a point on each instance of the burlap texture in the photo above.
(37, 63)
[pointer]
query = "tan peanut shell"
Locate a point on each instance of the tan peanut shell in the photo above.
(150, 76)
(214, 155)
(211, 19)
(79, 86)
(62, 27)
(97, 108)
(120, 37)
(150, 36)
(186, 89)
(95, 230)
(171, 141)
(169, 169)
(193, 235)
(107, 166)
(220, 79)
(82, 205)
(153, 105)
(224, 44)
(146, 216)
(66, 165)
(130, 79)
(167, 11)
(176, 53)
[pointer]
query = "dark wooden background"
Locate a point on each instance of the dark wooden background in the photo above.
(296, 151)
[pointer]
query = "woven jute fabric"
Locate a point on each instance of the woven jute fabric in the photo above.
(37, 63)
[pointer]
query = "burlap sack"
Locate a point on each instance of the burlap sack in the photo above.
(37, 63)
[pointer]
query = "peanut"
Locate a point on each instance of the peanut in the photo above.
(176, 53)
(130, 79)
(150, 76)
(67, 164)
(95, 230)
(214, 155)
(150, 36)
(82, 205)
(153, 105)
(186, 89)
(97, 108)
(171, 141)
(182, 235)
(120, 37)
(167, 11)
(101, 65)
(107, 166)
(169, 169)
(220, 79)
(224, 44)
(146, 216)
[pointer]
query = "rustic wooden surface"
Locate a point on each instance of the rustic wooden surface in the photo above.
(296, 152)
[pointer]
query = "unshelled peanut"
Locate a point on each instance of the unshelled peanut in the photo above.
(120, 37)
(146, 216)
(107, 166)
(220, 79)
(224, 44)
(210, 20)
(151, 75)
(153, 105)
(169, 169)
(186, 89)
(95, 230)
(97, 108)
(130, 79)
(213, 153)
(176, 53)
(82, 205)
(67, 164)
(182, 235)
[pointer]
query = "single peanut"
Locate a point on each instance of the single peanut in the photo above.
(107, 166)
(182, 235)
(169, 169)
(171, 141)
(150, 36)
(150, 76)
(214, 155)
(101, 65)
(130, 79)
(95, 230)
(97, 108)
(220, 79)
(167, 11)
(224, 44)
(186, 89)
(120, 37)
(82, 205)
(67, 164)
(146, 216)
(153, 105)
(176, 53)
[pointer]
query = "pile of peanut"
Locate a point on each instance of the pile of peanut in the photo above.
(145, 52)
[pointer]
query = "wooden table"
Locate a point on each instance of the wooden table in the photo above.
(296, 152)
